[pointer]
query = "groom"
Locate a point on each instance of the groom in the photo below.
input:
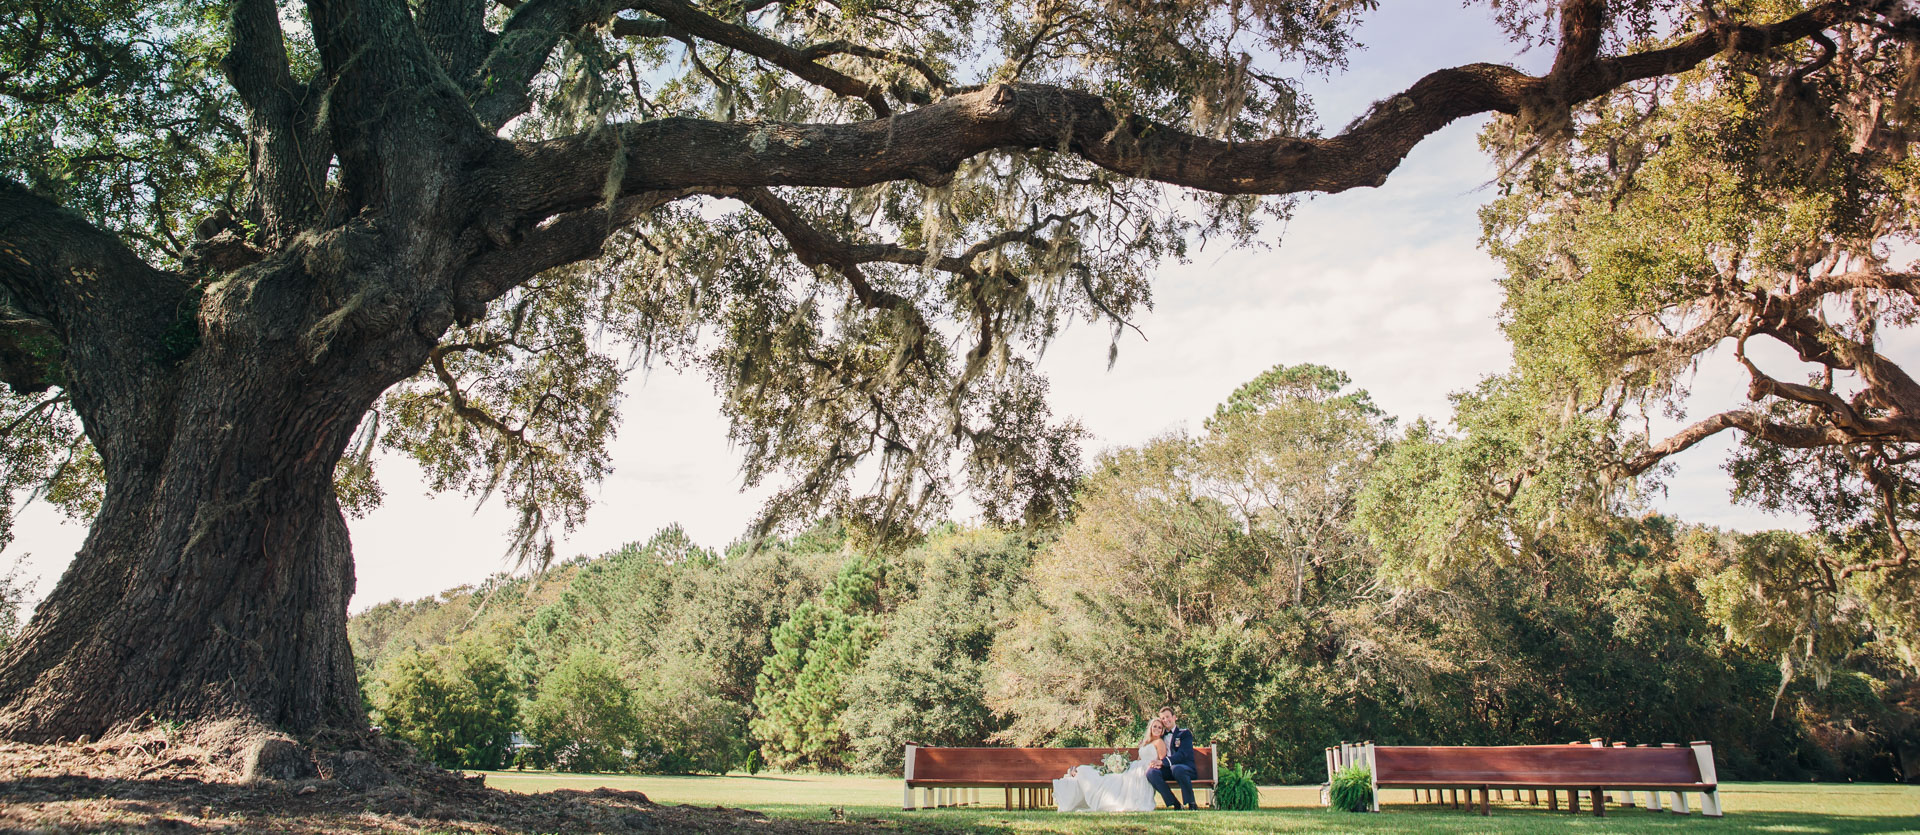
(1178, 763)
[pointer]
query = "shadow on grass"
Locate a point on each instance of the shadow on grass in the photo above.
(1000, 822)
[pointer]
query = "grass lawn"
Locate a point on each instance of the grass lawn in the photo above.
(1750, 807)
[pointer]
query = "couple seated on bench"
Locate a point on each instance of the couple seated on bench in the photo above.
(1166, 752)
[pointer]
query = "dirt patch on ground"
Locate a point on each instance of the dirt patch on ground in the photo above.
(176, 780)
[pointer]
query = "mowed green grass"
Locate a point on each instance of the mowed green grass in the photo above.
(1750, 807)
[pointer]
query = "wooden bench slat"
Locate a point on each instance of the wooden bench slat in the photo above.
(1536, 765)
(1026, 773)
(1527, 784)
(1576, 768)
(1010, 765)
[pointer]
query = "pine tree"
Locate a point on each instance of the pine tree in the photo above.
(802, 687)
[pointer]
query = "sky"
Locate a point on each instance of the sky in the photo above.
(1386, 284)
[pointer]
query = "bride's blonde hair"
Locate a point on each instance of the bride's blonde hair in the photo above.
(1152, 725)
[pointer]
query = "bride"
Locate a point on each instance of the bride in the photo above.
(1086, 789)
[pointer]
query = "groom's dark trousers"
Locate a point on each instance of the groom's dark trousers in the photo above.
(1182, 773)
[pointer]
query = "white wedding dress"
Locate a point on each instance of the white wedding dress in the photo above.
(1085, 789)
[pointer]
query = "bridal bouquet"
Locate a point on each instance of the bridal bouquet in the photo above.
(1114, 763)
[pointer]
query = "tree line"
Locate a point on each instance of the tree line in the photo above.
(1258, 571)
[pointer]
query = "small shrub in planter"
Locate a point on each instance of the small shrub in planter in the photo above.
(1352, 789)
(1236, 791)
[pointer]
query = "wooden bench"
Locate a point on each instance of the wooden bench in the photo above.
(954, 776)
(1590, 767)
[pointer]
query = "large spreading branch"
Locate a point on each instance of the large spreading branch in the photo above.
(1790, 435)
(400, 129)
(502, 83)
(287, 152)
(80, 310)
(1875, 431)
(455, 32)
(564, 239)
(929, 143)
(701, 25)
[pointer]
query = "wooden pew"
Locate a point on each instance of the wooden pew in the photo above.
(1576, 768)
(954, 776)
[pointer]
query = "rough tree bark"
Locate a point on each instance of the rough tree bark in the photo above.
(215, 580)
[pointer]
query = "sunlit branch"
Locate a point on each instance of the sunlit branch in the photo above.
(457, 399)
(929, 143)
(708, 28)
(30, 413)
(565, 239)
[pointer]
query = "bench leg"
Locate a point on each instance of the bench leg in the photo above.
(1533, 797)
(1710, 803)
(1599, 803)
(1553, 800)
(1680, 804)
(1484, 811)
(906, 804)
(1573, 801)
(1653, 803)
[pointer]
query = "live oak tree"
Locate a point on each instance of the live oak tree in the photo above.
(1745, 214)
(293, 235)
(1763, 210)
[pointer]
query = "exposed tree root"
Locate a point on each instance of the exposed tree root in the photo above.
(196, 779)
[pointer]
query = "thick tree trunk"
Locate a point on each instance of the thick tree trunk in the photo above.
(214, 582)
(225, 597)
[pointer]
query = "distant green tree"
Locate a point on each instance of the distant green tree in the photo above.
(801, 688)
(458, 705)
(800, 697)
(1220, 570)
(926, 680)
(13, 598)
(585, 718)
(685, 724)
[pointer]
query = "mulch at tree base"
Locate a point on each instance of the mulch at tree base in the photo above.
(160, 780)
